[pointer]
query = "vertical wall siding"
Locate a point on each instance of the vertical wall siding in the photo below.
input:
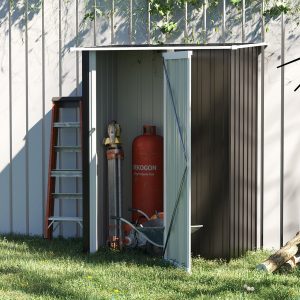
(291, 204)
(140, 94)
(35, 125)
(210, 152)
(36, 65)
(272, 114)
(224, 105)
(243, 151)
(5, 121)
(19, 120)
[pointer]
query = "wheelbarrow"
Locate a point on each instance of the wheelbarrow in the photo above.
(152, 231)
(148, 232)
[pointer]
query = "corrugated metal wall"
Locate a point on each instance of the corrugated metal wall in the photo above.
(36, 65)
(210, 151)
(243, 151)
(224, 151)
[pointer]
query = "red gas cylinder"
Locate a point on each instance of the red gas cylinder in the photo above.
(147, 172)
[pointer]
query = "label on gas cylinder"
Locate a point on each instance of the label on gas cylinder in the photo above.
(144, 170)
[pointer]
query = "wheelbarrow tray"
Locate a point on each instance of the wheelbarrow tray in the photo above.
(155, 234)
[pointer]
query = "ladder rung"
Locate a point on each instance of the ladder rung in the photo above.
(71, 196)
(65, 219)
(66, 173)
(58, 220)
(67, 148)
(66, 125)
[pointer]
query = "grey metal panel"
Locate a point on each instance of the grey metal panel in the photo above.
(272, 114)
(66, 68)
(121, 21)
(291, 205)
(241, 202)
(102, 24)
(227, 221)
(249, 72)
(210, 104)
(247, 147)
(68, 28)
(140, 17)
(223, 144)
(245, 150)
(282, 130)
(255, 167)
(106, 97)
(5, 166)
(35, 126)
(51, 69)
(138, 102)
(176, 159)
(19, 119)
(236, 147)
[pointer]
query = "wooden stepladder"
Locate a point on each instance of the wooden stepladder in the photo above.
(56, 175)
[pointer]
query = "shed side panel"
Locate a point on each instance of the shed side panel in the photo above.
(224, 145)
(210, 146)
(243, 151)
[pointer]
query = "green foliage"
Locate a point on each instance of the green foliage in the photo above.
(236, 3)
(168, 27)
(37, 269)
(91, 14)
(161, 7)
(164, 10)
(277, 9)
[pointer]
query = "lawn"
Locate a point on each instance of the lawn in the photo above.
(32, 268)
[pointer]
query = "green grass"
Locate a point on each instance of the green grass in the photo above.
(32, 268)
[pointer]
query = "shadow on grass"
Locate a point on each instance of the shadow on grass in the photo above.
(52, 283)
(71, 249)
(59, 269)
(35, 284)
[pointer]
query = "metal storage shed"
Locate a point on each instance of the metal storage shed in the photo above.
(204, 101)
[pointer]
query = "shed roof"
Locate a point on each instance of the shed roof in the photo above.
(235, 46)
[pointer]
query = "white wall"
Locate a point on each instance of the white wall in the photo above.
(36, 65)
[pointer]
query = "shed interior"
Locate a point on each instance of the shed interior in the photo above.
(130, 90)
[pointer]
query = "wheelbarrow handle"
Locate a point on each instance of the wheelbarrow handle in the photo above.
(140, 212)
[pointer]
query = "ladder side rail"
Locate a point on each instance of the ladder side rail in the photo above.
(52, 165)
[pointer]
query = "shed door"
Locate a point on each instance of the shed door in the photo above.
(93, 208)
(177, 157)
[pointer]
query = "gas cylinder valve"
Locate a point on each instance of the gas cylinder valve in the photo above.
(114, 135)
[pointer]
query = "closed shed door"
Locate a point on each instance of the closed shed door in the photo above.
(177, 154)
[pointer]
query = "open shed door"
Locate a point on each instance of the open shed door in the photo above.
(177, 158)
(89, 153)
